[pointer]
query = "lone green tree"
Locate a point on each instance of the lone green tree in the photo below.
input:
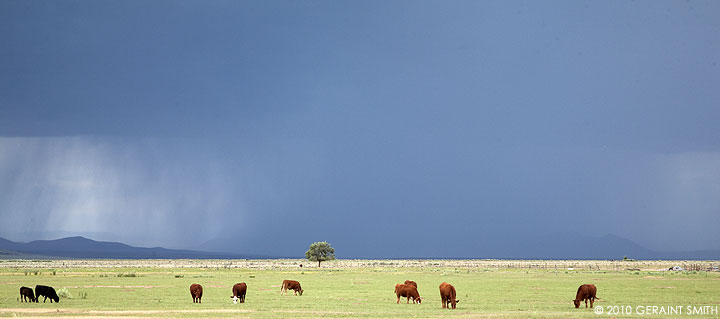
(320, 251)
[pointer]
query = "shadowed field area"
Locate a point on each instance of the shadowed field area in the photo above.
(350, 288)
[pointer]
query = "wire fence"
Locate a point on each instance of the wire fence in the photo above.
(475, 264)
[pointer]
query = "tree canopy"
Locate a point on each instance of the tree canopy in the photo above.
(320, 251)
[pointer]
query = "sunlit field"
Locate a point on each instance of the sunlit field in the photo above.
(357, 288)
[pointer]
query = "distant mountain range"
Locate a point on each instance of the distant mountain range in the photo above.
(81, 247)
(492, 246)
(575, 246)
(558, 246)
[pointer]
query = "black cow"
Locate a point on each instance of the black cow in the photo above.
(47, 292)
(25, 293)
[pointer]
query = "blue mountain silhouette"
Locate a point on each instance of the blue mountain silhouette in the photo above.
(81, 247)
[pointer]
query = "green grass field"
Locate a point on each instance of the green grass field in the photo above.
(366, 290)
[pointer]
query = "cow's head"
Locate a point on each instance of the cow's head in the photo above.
(235, 299)
(56, 298)
(577, 303)
(418, 300)
(301, 291)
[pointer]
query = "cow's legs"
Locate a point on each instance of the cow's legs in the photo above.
(398, 301)
(592, 300)
(586, 300)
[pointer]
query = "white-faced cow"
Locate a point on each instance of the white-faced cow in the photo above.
(291, 285)
(239, 291)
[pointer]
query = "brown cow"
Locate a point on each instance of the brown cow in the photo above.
(239, 291)
(292, 285)
(27, 292)
(585, 292)
(410, 282)
(409, 291)
(196, 293)
(447, 295)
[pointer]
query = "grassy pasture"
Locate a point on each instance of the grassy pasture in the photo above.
(347, 288)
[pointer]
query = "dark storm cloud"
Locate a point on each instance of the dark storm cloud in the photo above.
(359, 122)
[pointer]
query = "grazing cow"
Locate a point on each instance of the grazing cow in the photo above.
(409, 291)
(447, 295)
(239, 291)
(47, 292)
(585, 292)
(410, 282)
(196, 293)
(25, 293)
(291, 284)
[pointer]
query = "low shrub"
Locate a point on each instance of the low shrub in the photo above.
(64, 293)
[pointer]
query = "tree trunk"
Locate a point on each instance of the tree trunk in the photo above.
(318, 264)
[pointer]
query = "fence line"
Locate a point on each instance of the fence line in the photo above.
(473, 264)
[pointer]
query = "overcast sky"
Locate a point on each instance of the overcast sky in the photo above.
(408, 124)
